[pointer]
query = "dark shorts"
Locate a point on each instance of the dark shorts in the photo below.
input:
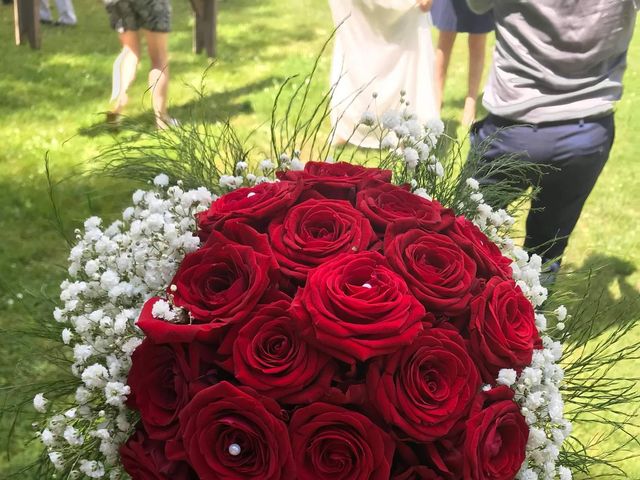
(456, 16)
(132, 15)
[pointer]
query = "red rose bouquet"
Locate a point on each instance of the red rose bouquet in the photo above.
(332, 325)
(318, 321)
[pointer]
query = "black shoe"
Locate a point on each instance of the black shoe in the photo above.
(46, 22)
(63, 24)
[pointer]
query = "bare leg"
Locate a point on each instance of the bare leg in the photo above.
(157, 45)
(128, 66)
(477, 44)
(443, 55)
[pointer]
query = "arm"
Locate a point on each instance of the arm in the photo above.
(480, 6)
(425, 5)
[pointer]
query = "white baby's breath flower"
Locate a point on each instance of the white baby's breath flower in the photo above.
(528, 474)
(424, 151)
(92, 468)
(72, 436)
(230, 182)
(421, 192)
(284, 158)
(58, 315)
(47, 437)
(56, 459)
(389, 142)
(122, 422)
(92, 223)
(116, 393)
(541, 322)
(91, 267)
(267, 164)
(472, 183)
(561, 313)
(484, 210)
(95, 376)
(57, 424)
(435, 125)
(297, 164)
(161, 180)
(565, 473)
(507, 376)
(414, 128)
(411, 157)
(82, 352)
(162, 309)
(368, 119)
(40, 403)
(437, 168)
(130, 345)
(401, 131)
(112, 272)
(390, 119)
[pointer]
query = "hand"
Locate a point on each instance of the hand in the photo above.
(425, 5)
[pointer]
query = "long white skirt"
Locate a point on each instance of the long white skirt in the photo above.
(381, 46)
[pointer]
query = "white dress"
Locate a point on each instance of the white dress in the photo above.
(381, 46)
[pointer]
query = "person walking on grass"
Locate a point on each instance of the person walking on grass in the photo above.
(66, 13)
(556, 75)
(153, 18)
(452, 17)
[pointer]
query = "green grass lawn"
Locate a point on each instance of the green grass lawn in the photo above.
(51, 102)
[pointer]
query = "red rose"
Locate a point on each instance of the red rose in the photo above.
(419, 472)
(336, 180)
(163, 377)
(253, 205)
(331, 442)
(411, 462)
(355, 307)
(386, 203)
(496, 437)
(219, 284)
(446, 455)
(316, 231)
(223, 417)
(423, 390)
(438, 272)
(502, 328)
(486, 254)
(270, 356)
(144, 459)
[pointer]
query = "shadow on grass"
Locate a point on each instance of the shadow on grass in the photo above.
(211, 108)
(451, 128)
(601, 291)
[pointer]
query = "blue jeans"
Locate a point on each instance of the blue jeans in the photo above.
(66, 13)
(577, 150)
